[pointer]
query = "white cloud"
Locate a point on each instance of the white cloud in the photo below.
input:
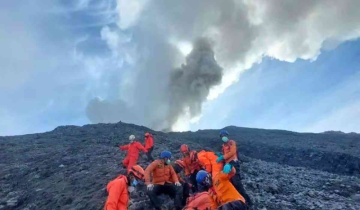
(129, 12)
(243, 32)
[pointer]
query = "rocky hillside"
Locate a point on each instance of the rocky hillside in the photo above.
(69, 167)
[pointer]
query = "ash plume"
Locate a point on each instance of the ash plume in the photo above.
(190, 84)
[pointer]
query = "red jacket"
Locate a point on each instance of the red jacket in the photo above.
(149, 142)
(118, 194)
(133, 149)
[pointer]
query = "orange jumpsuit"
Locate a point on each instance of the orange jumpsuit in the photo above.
(208, 162)
(161, 173)
(190, 167)
(200, 201)
(225, 191)
(132, 154)
(149, 142)
(118, 194)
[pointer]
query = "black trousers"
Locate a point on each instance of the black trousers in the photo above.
(236, 181)
(167, 189)
(193, 182)
(234, 205)
(149, 156)
(185, 193)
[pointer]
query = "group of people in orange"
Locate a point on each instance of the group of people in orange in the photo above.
(211, 180)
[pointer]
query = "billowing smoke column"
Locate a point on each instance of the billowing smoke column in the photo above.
(188, 88)
(151, 92)
(190, 84)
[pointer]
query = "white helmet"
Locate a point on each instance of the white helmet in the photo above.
(132, 137)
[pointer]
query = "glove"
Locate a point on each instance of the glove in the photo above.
(177, 184)
(227, 168)
(220, 158)
(150, 187)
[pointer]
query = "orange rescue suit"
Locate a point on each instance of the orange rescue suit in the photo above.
(118, 194)
(225, 191)
(208, 162)
(229, 151)
(132, 154)
(200, 201)
(149, 142)
(161, 173)
(190, 167)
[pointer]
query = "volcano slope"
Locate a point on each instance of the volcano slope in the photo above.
(69, 167)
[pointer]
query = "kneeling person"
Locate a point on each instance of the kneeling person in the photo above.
(164, 180)
(118, 188)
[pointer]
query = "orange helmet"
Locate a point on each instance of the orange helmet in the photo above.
(184, 148)
(193, 156)
(147, 134)
(180, 163)
(137, 171)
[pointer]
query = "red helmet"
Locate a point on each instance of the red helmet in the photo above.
(184, 148)
(137, 171)
(147, 134)
(193, 156)
(180, 163)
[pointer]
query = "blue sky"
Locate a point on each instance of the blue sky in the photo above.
(301, 96)
(285, 65)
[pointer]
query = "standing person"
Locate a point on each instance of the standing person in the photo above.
(164, 181)
(118, 198)
(132, 152)
(149, 145)
(223, 193)
(191, 166)
(229, 156)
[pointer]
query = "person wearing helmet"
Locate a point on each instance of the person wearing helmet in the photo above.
(223, 194)
(164, 180)
(118, 189)
(229, 157)
(149, 145)
(191, 167)
(132, 152)
(179, 166)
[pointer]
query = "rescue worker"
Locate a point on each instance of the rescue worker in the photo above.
(229, 156)
(207, 161)
(179, 166)
(149, 145)
(132, 152)
(200, 201)
(223, 193)
(191, 167)
(118, 188)
(164, 181)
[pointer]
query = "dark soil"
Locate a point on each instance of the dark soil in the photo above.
(68, 168)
